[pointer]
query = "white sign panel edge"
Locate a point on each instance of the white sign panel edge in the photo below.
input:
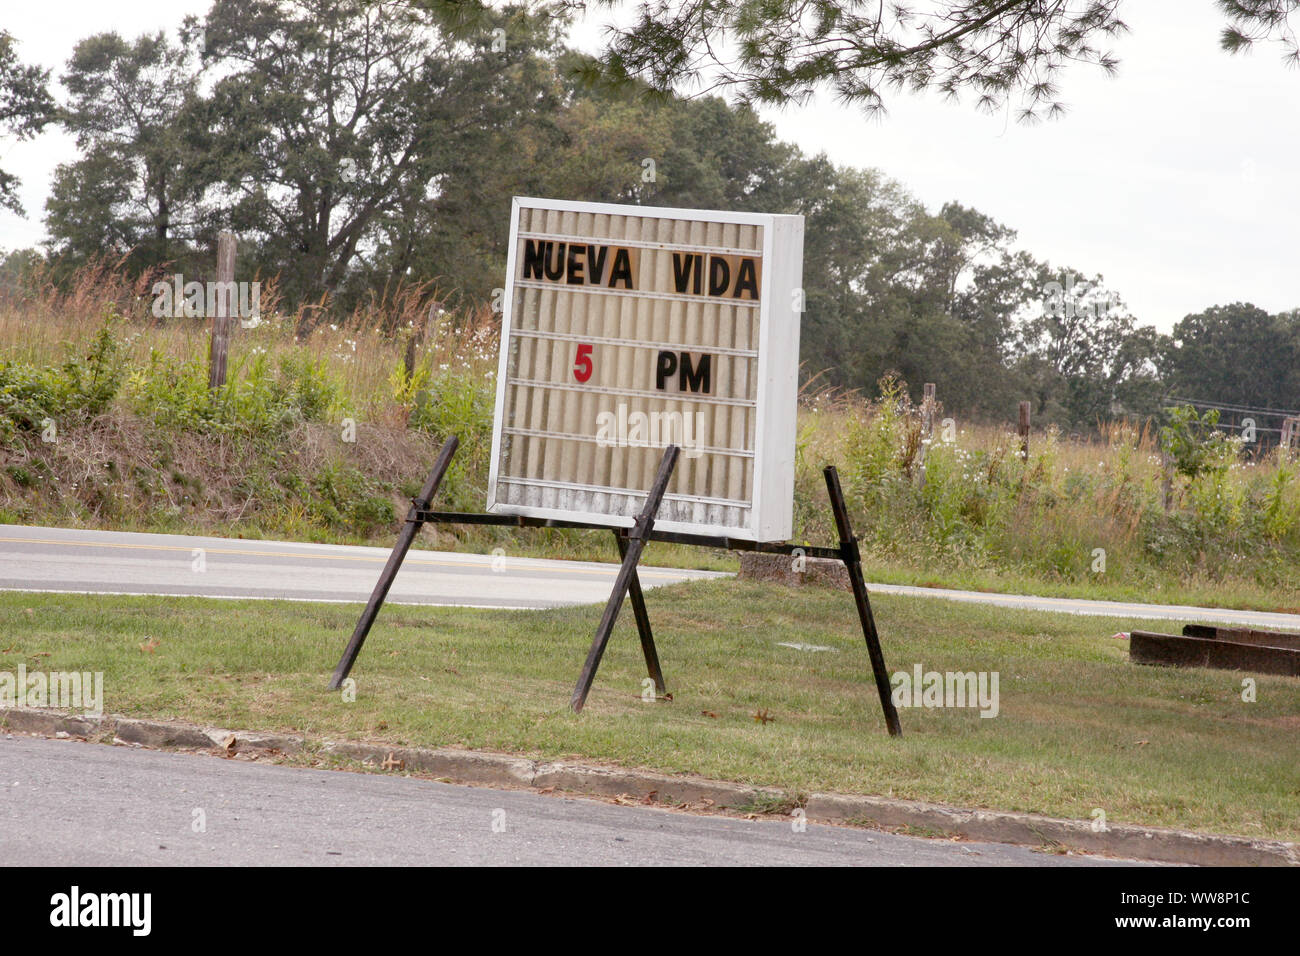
(771, 512)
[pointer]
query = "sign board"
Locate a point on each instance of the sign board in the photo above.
(629, 328)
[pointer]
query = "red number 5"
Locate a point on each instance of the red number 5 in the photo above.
(582, 366)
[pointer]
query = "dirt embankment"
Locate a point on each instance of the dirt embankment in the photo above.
(117, 470)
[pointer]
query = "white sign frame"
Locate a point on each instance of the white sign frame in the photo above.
(781, 296)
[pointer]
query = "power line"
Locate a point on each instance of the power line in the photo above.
(1223, 406)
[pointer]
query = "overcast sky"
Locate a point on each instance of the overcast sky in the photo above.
(1177, 180)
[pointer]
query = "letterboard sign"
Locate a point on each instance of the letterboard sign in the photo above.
(629, 328)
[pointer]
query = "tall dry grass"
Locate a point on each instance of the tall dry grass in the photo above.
(366, 350)
(1111, 510)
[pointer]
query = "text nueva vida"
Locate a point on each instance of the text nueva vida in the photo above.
(711, 275)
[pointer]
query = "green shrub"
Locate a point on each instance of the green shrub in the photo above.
(1194, 442)
(83, 386)
(457, 403)
(258, 399)
(342, 498)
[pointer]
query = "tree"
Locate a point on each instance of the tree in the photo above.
(546, 137)
(1237, 354)
(856, 258)
(781, 51)
(331, 115)
(19, 272)
(503, 108)
(132, 108)
(1252, 21)
(699, 153)
(1084, 355)
(892, 287)
(25, 108)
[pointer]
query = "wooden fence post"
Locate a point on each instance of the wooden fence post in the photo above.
(223, 318)
(927, 432)
(1024, 430)
(418, 336)
(1290, 440)
(1166, 480)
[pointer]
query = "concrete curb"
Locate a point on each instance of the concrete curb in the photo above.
(479, 768)
(1117, 839)
(793, 572)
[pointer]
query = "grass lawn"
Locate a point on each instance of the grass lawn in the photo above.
(1078, 727)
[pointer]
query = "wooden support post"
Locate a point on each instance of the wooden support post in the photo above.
(1023, 430)
(852, 559)
(222, 321)
(642, 622)
(409, 530)
(636, 540)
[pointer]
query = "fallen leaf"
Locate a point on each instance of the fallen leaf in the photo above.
(763, 717)
(149, 646)
(230, 745)
(708, 713)
(651, 797)
(391, 763)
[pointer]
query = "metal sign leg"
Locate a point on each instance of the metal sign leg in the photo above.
(642, 622)
(636, 540)
(409, 530)
(852, 559)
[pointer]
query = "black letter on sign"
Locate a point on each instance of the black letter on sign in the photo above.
(621, 271)
(554, 263)
(664, 368)
(746, 279)
(682, 263)
(719, 275)
(688, 271)
(574, 265)
(696, 378)
(596, 263)
(534, 256)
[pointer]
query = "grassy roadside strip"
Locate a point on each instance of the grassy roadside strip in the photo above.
(1078, 727)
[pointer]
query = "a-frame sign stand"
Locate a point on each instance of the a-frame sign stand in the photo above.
(631, 543)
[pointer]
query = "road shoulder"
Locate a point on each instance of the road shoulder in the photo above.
(680, 792)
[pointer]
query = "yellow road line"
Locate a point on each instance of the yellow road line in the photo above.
(322, 557)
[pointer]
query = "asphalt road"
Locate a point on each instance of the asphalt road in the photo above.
(70, 560)
(1267, 620)
(68, 803)
(109, 562)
